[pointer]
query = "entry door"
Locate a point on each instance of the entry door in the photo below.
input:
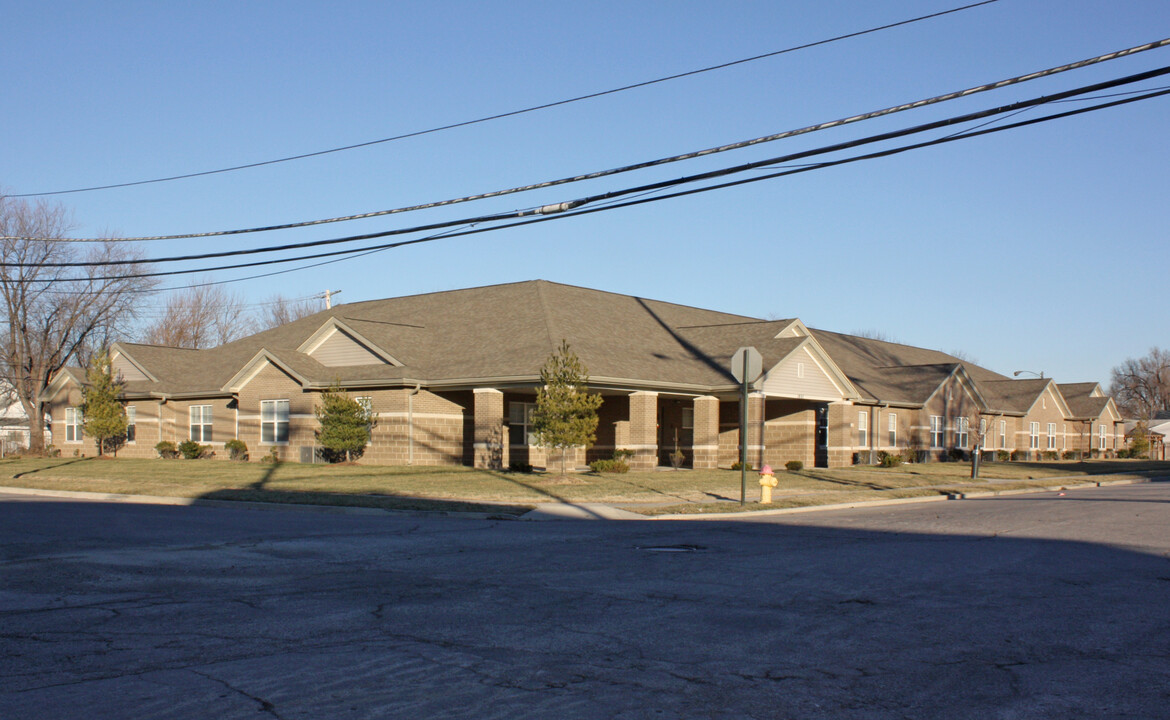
(822, 454)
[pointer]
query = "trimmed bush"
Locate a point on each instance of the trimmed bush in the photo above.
(889, 460)
(1050, 455)
(237, 449)
(957, 454)
(612, 465)
(1003, 455)
(1071, 455)
(192, 450)
(794, 466)
(166, 450)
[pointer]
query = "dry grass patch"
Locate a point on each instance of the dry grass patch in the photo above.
(651, 492)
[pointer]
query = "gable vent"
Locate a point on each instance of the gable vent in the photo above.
(341, 350)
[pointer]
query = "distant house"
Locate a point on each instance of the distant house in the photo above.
(451, 378)
(14, 433)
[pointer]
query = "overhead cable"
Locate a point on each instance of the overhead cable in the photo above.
(522, 111)
(570, 205)
(641, 201)
(652, 163)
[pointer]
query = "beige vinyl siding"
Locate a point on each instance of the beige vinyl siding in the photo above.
(799, 376)
(341, 350)
(121, 366)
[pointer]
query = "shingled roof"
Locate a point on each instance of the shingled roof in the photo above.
(498, 331)
(505, 333)
(893, 372)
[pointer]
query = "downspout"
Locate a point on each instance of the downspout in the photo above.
(410, 423)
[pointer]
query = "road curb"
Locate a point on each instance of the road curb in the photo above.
(549, 510)
(897, 501)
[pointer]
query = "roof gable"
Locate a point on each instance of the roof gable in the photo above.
(336, 344)
(807, 373)
(130, 370)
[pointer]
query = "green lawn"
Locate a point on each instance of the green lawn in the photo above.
(507, 493)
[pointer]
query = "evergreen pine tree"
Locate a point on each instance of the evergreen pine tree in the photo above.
(104, 418)
(345, 424)
(566, 414)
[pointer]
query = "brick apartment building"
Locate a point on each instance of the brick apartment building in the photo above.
(451, 378)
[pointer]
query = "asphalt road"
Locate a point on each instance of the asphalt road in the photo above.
(1034, 606)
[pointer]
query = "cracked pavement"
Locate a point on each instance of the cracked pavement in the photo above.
(1032, 606)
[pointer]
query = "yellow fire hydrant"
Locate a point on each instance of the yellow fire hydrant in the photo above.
(767, 482)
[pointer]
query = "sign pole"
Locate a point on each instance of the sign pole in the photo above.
(743, 434)
(746, 366)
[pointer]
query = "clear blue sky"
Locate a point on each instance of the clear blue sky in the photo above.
(1042, 248)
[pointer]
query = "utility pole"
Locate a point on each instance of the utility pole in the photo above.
(328, 295)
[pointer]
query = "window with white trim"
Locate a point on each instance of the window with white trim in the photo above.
(962, 427)
(1003, 434)
(73, 422)
(1034, 435)
(273, 422)
(937, 431)
(983, 432)
(893, 430)
(1051, 436)
(131, 418)
(1102, 437)
(200, 422)
(863, 429)
(520, 423)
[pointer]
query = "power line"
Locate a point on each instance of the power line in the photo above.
(641, 201)
(653, 163)
(573, 204)
(522, 111)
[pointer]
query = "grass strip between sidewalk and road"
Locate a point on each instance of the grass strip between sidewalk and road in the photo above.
(459, 489)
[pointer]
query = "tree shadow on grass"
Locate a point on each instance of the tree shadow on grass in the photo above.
(51, 467)
(259, 491)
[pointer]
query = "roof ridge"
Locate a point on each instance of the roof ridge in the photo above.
(546, 310)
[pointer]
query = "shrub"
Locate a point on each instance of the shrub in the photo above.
(272, 457)
(192, 450)
(677, 459)
(889, 460)
(1019, 455)
(237, 449)
(166, 450)
(1050, 455)
(623, 454)
(957, 454)
(794, 466)
(1003, 455)
(53, 452)
(737, 465)
(517, 466)
(612, 465)
(1070, 455)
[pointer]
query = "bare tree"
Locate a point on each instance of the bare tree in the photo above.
(50, 314)
(200, 317)
(872, 335)
(1141, 387)
(280, 310)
